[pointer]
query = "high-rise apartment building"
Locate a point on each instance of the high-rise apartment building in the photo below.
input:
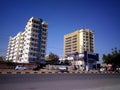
(30, 45)
(79, 49)
(79, 41)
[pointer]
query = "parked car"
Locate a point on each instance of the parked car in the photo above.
(109, 68)
(20, 67)
(36, 67)
(117, 70)
(63, 68)
(102, 69)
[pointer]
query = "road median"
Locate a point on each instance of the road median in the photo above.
(45, 71)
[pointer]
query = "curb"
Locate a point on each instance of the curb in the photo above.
(57, 72)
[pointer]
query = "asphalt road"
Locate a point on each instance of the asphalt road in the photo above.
(60, 82)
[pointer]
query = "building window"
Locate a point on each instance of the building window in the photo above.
(42, 55)
(86, 33)
(21, 51)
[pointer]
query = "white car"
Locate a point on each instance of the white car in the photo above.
(63, 68)
(102, 69)
(20, 67)
(117, 69)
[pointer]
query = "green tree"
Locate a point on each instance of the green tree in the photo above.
(1, 59)
(67, 62)
(11, 64)
(112, 58)
(52, 58)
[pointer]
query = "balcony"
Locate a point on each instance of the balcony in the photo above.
(67, 52)
(34, 28)
(68, 46)
(43, 40)
(45, 28)
(68, 43)
(44, 31)
(35, 23)
(44, 35)
(74, 39)
(43, 44)
(68, 40)
(34, 38)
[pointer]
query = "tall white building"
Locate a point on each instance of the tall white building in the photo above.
(30, 45)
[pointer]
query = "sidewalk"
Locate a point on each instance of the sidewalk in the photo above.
(114, 87)
(45, 71)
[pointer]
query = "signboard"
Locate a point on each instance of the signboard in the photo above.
(86, 56)
(91, 56)
(81, 56)
(76, 57)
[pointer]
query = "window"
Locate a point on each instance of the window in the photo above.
(86, 39)
(43, 47)
(44, 25)
(44, 33)
(83, 33)
(33, 39)
(86, 33)
(34, 35)
(42, 51)
(34, 30)
(33, 44)
(42, 55)
(33, 54)
(86, 36)
(43, 42)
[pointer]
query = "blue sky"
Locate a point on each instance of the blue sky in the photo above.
(63, 16)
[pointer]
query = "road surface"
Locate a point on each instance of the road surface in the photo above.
(60, 82)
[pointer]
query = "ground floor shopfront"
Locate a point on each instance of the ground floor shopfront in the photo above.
(84, 61)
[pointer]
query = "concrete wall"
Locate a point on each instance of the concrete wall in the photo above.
(56, 67)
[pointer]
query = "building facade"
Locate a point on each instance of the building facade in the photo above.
(79, 41)
(79, 47)
(84, 61)
(30, 45)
